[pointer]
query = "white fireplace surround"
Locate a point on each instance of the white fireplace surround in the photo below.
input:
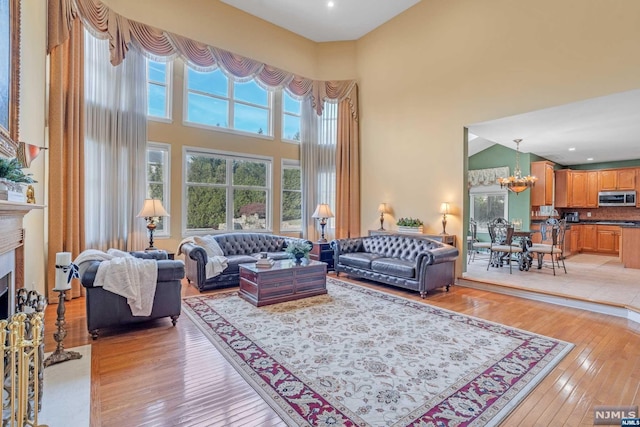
(8, 266)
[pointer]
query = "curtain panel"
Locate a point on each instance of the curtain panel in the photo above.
(489, 176)
(66, 153)
(162, 45)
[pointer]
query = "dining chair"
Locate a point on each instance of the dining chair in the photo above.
(502, 246)
(474, 245)
(553, 231)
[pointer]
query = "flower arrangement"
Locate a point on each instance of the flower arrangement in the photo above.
(409, 222)
(298, 249)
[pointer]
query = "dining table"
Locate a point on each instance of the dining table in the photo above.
(524, 238)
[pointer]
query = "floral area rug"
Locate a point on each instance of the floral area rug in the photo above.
(358, 357)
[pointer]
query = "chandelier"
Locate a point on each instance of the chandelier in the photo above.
(516, 182)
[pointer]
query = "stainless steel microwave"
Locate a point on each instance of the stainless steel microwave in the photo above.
(617, 198)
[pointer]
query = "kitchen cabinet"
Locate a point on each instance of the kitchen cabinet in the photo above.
(576, 189)
(617, 179)
(608, 239)
(542, 192)
(637, 187)
(575, 238)
(589, 237)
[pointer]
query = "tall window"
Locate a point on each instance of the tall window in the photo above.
(291, 114)
(159, 89)
(226, 192)
(291, 196)
(158, 174)
(213, 100)
(487, 203)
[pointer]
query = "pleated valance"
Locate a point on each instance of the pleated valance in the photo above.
(162, 45)
(489, 176)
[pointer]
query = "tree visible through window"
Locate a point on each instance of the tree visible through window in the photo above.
(487, 205)
(227, 192)
(291, 197)
(158, 180)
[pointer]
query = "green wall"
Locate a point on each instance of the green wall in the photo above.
(606, 165)
(498, 156)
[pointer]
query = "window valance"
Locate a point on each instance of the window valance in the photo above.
(489, 176)
(162, 45)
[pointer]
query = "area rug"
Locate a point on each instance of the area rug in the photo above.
(66, 397)
(358, 357)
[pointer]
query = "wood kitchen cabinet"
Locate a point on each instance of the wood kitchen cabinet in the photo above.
(542, 192)
(617, 179)
(576, 238)
(576, 189)
(589, 236)
(608, 239)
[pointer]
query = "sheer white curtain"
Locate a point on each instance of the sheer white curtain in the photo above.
(115, 148)
(318, 163)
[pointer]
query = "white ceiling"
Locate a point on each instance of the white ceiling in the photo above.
(605, 129)
(315, 20)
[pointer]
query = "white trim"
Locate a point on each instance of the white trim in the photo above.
(290, 164)
(168, 87)
(166, 185)
(189, 150)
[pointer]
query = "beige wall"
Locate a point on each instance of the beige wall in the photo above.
(32, 130)
(423, 76)
(442, 65)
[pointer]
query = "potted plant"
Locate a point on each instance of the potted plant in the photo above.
(12, 179)
(298, 249)
(410, 225)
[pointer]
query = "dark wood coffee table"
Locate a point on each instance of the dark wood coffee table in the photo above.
(284, 281)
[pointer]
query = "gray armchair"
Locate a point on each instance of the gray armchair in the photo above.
(106, 309)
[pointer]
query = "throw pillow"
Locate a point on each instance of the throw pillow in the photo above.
(209, 244)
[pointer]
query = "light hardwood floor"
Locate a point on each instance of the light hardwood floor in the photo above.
(158, 375)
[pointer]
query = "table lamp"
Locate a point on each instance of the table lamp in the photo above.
(383, 209)
(444, 210)
(323, 211)
(151, 210)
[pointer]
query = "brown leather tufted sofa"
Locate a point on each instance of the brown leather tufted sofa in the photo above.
(415, 263)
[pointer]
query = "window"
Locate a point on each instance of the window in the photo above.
(487, 203)
(158, 174)
(159, 89)
(291, 211)
(291, 112)
(213, 100)
(226, 192)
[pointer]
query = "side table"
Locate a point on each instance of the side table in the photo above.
(322, 251)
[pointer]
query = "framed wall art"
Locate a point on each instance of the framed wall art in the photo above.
(9, 75)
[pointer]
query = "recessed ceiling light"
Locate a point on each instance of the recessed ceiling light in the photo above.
(572, 149)
(589, 159)
(330, 4)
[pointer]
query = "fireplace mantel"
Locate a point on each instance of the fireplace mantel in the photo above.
(12, 242)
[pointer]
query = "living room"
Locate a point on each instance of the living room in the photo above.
(469, 62)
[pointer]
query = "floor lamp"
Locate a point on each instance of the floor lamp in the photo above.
(322, 212)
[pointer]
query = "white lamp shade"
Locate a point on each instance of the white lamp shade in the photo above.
(444, 208)
(382, 208)
(152, 208)
(322, 211)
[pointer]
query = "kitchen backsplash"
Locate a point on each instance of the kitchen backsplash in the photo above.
(607, 213)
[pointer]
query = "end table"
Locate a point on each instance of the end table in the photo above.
(322, 251)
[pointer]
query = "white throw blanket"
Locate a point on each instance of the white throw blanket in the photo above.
(216, 261)
(123, 274)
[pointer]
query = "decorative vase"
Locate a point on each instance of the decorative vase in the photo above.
(298, 257)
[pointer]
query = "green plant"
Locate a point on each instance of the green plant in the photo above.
(409, 222)
(298, 247)
(11, 170)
